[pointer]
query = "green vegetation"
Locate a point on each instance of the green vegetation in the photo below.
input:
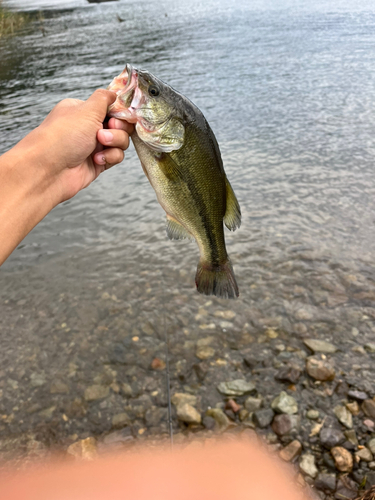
(11, 21)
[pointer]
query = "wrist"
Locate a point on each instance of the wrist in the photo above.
(25, 197)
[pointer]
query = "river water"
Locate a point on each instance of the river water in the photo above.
(289, 90)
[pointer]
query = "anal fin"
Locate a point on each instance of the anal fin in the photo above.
(175, 231)
(232, 217)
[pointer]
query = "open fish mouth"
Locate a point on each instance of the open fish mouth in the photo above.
(129, 96)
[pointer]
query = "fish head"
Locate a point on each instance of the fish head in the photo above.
(152, 106)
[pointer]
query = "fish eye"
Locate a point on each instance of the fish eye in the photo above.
(153, 90)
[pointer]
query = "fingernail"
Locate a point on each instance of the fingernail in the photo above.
(100, 160)
(108, 136)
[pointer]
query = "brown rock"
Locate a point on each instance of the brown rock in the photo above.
(353, 408)
(284, 424)
(343, 459)
(158, 364)
(319, 369)
(85, 449)
(232, 405)
(368, 407)
(291, 451)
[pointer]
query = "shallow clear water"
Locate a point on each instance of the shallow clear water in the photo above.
(288, 88)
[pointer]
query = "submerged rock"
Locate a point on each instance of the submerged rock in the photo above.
(319, 369)
(343, 459)
(307, 465)
(238, 387)
(188, 414)
(285, 404)
(320, 346)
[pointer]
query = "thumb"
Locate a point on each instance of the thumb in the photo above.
(98, 103)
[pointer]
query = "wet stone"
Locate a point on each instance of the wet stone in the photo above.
(320, 346)
(59, 387)
(209, 423)
(180, 398)
(118, 437)
(368, 407)
(120, 420)
(236, 388)
(326, 482)
(371, 445)
(188, 414)
(205, 352)
(307, 465)
(85, 449)
(253, 404)
(263, 418)
(222, 421)
(344, 416)
(353, 408)
(319, 369)
(346, 489)
(288, 374)
(331, 437)
(370, 347)
(158, 364)
(95, 392)
(312, 414)
(351, 436)
(365, 455)
(343, 459)
(286, 424)
(37, 379)
(155, 415)
(284, 404)
(291, 451)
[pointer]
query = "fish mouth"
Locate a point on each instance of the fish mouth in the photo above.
(128, 95)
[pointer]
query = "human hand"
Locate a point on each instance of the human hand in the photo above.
(73, 148)
(68, 150)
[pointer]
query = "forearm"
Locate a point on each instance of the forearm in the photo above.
(25, 197)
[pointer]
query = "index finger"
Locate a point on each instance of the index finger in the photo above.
(99, 102)
(115, 123)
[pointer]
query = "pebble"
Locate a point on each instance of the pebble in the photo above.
(344, 416)
(368, 408)
(118, 437)
(288, 374)
(320, 346)
(222, 421)
(307, 465)
(205, 352)
(291, 451)
(158, 364)
(312, 414)
(188, 414)
(343, 459)
(37, 379)
(319, 369)
(371, 445)
(263, 418)
(94, 392)
(232, 405)
(369, 424)
(284, 404)
(225, 314)
(347, 489)
(180, 398)
(285, 424)
(370, 347)
(120, 420)
(59, 387)
(330, 437)
(253, 404)
(351, 436)
(365, 455)
(326, 482)
(85, 449)
(236, 387)
(358, 395)
(353, 408)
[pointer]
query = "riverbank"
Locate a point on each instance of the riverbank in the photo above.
(11, 21)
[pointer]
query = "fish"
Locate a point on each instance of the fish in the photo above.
(181, 159)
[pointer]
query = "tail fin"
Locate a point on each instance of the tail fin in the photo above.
(216, 280)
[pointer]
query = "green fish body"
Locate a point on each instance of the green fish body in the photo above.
(181, 159)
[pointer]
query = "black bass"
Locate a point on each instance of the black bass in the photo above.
(181, 159)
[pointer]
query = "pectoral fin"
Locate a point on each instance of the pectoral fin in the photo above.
(232, 217)
(175, 231)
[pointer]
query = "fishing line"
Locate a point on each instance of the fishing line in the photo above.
(168, 378)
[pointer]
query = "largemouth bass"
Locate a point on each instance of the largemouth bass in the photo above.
(181, 159)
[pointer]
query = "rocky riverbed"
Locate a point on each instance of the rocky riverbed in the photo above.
(84, 371)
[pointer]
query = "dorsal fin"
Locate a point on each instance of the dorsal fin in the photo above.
(232, 217)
